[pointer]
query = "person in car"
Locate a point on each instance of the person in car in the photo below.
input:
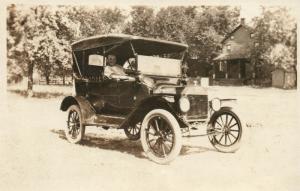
(112, 69)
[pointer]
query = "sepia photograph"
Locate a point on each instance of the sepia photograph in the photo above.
(162, 95)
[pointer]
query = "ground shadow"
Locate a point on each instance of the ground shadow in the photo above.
(123, 145)
(126, 146)
(188, 149)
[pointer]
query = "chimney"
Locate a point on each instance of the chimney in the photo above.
(242, 21)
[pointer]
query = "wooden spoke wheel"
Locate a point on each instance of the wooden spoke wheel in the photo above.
(133, 131)
(75, 130)
(161, 136)
(225, 131)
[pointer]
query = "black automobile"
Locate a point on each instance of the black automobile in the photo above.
(151, 100)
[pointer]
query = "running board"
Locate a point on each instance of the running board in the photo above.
(105, 120)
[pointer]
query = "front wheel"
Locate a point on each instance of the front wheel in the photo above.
(161, 136)
(225, 131)
(75, 130)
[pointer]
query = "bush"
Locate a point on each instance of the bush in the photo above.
(281, 56)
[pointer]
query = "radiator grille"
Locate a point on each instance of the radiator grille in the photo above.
(199, 107)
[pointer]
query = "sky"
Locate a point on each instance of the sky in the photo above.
(250, 11)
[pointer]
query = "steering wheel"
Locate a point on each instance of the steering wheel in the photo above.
(131, 64)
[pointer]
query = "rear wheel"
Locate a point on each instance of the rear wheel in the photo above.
(225, 131)
(133, 131)
(75, 130)
(161, 136)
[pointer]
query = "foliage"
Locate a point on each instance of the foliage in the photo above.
(174, 23)
(281, 56)
(141, 22)
(275, 32)
(211, 25)
(14, 70)
(202, 28)
(38, 45)
(39, 37)
(96, 20)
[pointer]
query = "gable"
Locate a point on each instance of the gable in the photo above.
(238, 44)
(241, 35)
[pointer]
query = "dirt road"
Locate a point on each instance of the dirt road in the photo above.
(34, 154)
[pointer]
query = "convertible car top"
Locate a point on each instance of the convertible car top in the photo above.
(125, 43)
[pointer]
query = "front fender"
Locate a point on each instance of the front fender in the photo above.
(148, 104)
(222, 110)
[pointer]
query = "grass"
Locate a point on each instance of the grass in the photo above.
(42, 91)
(43, 95)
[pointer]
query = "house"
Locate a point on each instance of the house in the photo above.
(233, 65)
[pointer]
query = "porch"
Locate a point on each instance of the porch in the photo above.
(232, 72)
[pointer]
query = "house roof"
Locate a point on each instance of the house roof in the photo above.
(232, 56)
(236, 29)
(238, 54)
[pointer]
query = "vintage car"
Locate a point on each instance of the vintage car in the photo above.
(151, 102)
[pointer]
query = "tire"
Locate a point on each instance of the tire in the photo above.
(74, 130)
(133, 132)
(161, 136)
(225, 131)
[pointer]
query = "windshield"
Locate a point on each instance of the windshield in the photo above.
(152, 65)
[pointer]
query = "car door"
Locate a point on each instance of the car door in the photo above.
(127, 91)
(104, 95)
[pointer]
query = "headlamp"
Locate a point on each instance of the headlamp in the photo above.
(216, 104)
(184, 104)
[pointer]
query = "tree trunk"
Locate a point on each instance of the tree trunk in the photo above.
(47, 79)
(64, 79)
(295, 70)
(30, 79)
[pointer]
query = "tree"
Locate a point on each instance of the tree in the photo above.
(211, 25)
(141, 22)
(67, 31)
(96, 20)
(174, 23)
(14, 54)
(202, 28)
(275, 33)
(49, 44)
(281, 56)
(39, 37)
(43, 34)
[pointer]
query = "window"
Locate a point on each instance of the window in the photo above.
(95, 60)
(228, 47)
(221, 66)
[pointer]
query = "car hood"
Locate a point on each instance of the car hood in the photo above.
(171, 89)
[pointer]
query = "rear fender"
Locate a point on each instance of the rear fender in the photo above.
(86, 109)
(67, 102)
